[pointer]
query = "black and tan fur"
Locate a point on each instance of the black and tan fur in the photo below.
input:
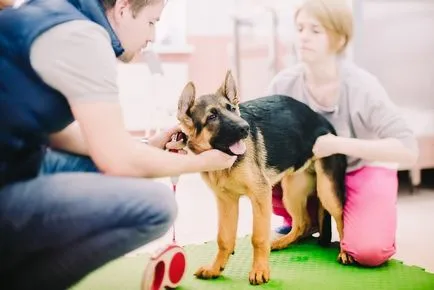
(279, 133)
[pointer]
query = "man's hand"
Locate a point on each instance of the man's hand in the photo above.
(163, 140)
(212, 160)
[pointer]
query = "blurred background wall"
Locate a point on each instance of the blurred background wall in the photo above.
(200, 40)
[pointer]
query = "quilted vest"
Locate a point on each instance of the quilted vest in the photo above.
(30, 109)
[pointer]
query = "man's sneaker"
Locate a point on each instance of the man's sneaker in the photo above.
(280, 231)
(285, 229)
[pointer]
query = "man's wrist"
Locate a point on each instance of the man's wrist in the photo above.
(144, 140)
(199, 163)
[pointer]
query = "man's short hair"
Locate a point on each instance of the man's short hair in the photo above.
(136, 5)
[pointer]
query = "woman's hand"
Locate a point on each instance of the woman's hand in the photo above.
(326, 145)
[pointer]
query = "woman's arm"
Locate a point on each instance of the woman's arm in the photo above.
(383, 150)
(396, 141)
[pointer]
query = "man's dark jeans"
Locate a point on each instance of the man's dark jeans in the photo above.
(70, 220)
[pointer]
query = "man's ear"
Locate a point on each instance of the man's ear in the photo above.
(229, 89)
(120, 9)
(185, 103)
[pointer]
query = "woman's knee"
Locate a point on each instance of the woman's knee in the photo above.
(370, 215)
(370, 254)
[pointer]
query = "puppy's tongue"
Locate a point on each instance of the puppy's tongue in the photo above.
(238, 148)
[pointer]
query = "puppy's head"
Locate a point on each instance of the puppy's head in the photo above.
(213, 121)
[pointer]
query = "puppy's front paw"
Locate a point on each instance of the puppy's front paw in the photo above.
(207, 273)
(345, 258)
(259, 274)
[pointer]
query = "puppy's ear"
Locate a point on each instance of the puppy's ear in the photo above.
(185, 102)
(229, 89)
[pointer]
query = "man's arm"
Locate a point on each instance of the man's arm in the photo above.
(76, 58)
(70, 139)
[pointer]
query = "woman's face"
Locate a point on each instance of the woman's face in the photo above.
(312, 40)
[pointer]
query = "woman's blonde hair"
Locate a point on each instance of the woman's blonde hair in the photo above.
(336, 17)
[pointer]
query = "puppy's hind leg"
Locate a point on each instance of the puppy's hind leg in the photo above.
(296, 190)
(331, 192)
(325, 226)
(228, 208)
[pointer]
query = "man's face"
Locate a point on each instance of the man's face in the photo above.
(134, 30)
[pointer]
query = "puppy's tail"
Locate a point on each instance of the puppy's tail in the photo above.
(325, 229)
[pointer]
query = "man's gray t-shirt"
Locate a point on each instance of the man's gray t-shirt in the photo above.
(77, 59)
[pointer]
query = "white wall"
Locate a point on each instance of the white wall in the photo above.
(209, 18)
(141, 97)
(172, 27)
(149, 101)
(397, 45)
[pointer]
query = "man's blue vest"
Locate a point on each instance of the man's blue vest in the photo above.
(29, 109)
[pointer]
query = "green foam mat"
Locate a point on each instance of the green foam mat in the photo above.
(302, 266)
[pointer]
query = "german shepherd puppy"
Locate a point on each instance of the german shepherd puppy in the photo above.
(273, 137)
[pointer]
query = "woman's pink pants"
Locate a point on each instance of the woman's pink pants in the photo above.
(369, 214)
